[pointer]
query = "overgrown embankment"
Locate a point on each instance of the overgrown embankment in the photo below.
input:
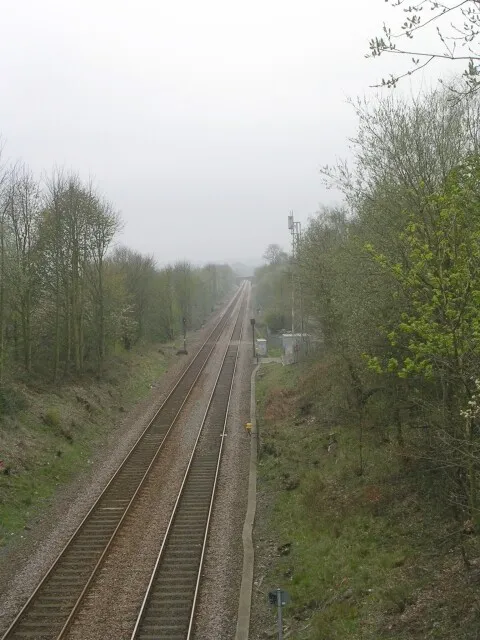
(364, 547)
(49, 434)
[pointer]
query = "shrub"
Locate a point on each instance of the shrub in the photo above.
(275, 321)
(52, 418)
(11, 401)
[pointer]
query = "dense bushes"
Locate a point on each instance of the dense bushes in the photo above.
(392, 278)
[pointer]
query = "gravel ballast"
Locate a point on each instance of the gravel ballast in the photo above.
(110, 610)
(219, 591)
(26, 559)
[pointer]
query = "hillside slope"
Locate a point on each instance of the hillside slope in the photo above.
(364, 552)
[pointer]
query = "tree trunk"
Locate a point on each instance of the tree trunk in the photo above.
(2, 300)
(56, 363)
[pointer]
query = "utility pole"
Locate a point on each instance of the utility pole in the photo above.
(291, 226)
(252, 322)
(280, 598)
(279, 614)
(184, 325)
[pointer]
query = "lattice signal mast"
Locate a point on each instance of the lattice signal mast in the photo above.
(296, 231)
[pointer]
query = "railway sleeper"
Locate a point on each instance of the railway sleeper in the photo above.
(167, 636)
(168, 602)
(180, 541)
(172, 616)
(177, 563)
(47, 600)
(60, 584)
(51, 603)
(152, 632)
(194, 520)
(194, 514)
(180, 551)
(183, 538)
(44, 624)
(196, 500)
(80, 554)
(163, 627)
(77, 564)
(185, 582)
(91, 546)
(161, 591)
(185, 571)
(27, 633)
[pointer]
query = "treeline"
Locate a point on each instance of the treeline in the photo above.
(68, 296)
(273, 290)
(391, 280)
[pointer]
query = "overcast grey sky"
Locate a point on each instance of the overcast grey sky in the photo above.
(203, 122)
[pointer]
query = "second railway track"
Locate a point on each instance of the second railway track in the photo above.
(168, 609)
(52, 607)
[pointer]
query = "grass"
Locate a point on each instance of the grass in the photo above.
(362, 555)
(275, 352)
(53, 433)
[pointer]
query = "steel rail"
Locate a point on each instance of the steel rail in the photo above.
(144, 627)
(217, 470)
(75, 609)
(13, 630)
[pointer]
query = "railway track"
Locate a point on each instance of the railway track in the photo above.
(168, 609)
(50, 610)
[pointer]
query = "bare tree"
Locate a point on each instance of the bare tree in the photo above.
(104, 223)
(274, 254)
(457, 26)
(25, 202)
(5, 175)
